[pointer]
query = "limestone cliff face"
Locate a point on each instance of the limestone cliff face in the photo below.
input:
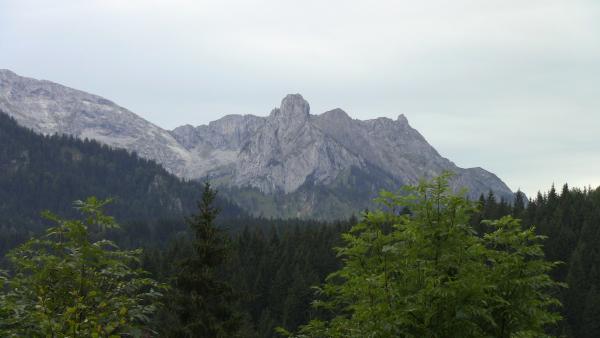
(288, 149)
(288, 152)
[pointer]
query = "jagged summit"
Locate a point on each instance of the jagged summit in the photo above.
(295, 104)
(402, 119)
(292, 106)
(327, 164)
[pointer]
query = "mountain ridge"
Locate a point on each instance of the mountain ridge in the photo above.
(290, 151)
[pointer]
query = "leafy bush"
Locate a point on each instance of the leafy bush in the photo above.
(418, 269)
(67, 283)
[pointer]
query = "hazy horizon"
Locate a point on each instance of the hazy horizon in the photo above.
(509, 86)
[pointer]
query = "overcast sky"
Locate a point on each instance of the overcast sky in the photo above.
(512, 86)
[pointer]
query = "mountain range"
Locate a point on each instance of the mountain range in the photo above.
(289, 163)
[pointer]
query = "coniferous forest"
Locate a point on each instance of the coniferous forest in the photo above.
(151, 255)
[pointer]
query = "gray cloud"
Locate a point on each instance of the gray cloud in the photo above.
(509, 85)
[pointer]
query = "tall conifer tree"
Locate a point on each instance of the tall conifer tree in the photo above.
(205, 304)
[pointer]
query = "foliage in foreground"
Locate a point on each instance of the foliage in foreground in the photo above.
(424, 272)
(69, 283)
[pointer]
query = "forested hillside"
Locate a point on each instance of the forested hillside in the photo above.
(50, 172)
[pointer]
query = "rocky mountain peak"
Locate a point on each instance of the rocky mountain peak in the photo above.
(402, 119)
(294, 106)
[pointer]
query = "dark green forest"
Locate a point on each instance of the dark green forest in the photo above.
(50, 172)
(252, 275)
(571, 221)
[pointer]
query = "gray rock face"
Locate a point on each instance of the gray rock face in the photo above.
(278, 153)
(288, 149)
(49, 108)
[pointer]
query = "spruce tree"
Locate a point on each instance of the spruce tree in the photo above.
(519, 204)
(205, 304)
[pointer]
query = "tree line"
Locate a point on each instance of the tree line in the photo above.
(415, 267)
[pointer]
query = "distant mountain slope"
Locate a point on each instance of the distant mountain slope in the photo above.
(288, 164)
(50, 108)
(50, 172)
